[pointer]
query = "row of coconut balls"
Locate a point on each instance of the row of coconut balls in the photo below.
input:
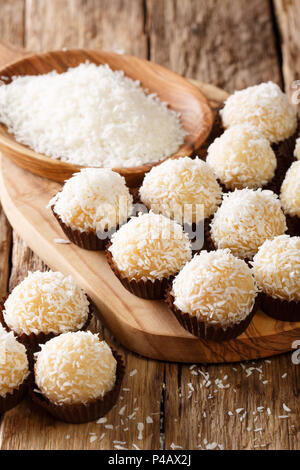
(147, 251)
(45, 350)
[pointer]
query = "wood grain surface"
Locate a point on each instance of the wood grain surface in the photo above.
(246, 52)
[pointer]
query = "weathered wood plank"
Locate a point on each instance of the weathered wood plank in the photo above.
(228, 43)
(203, 414)
(288, 18)
(12, 21)
(11, 30)
(108, 25)
(5, 246)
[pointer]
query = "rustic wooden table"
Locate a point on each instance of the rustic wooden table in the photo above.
(231, 43)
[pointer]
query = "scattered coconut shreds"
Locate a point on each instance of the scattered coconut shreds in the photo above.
(61, 241)
(122, 410)
(102, 436)
(132, 373)
(211, 446)
(101, 420)
(126, 389)
(93, 439)
(135, 447)
(109, 426)
(149, 420)
(174, 446)
(283, 416)
(284, 375)
(140, 427)
(67, 436)
(118, 447)
(239, 410)
(119, 442)
(286, 408)
(269, 411)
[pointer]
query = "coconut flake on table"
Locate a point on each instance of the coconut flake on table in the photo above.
(99, 117)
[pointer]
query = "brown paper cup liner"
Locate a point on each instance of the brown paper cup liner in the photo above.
(293, 224)
(32, 341)
(281, 309)
(86, 240)
(82, 413)
(13, 399)
(149, 290)
(209, 332)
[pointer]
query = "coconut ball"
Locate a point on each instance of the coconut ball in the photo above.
(241, 157)
(265, 107)
(150, 246)
(216, 287)
(245, 219)
(47, 302)
(297, 149)
(290, 191)
(75, 368)
(183, 189)
(14, 368)
(276, 268)
(95, 199)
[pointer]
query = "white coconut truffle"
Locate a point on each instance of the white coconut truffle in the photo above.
(216, 287)
(242, 157)
(13, 363)
(297, 149)
(265, 107)
(95, 199)
(245, 219)
(150, 246)
(47, 302)
(276, 268)
(290, 191)
(185, 190)
(75, 368)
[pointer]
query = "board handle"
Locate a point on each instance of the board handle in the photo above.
(10, 53)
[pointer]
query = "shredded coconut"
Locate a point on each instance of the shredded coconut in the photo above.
(150, 246)
(90, 115)
(176, 187)
(276, 267)
(47, 302)
(290, 191)
(75, 368)
(264, 106)
(94, 199)
(245, 219)
(13, 363)
(297, 149)
(216, 287)
(242, 158)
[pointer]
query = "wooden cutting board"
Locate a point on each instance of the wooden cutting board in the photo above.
(146, 327)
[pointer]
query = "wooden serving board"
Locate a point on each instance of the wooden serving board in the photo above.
(146, 327)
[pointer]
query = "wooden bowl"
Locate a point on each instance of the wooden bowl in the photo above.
(179, 93)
